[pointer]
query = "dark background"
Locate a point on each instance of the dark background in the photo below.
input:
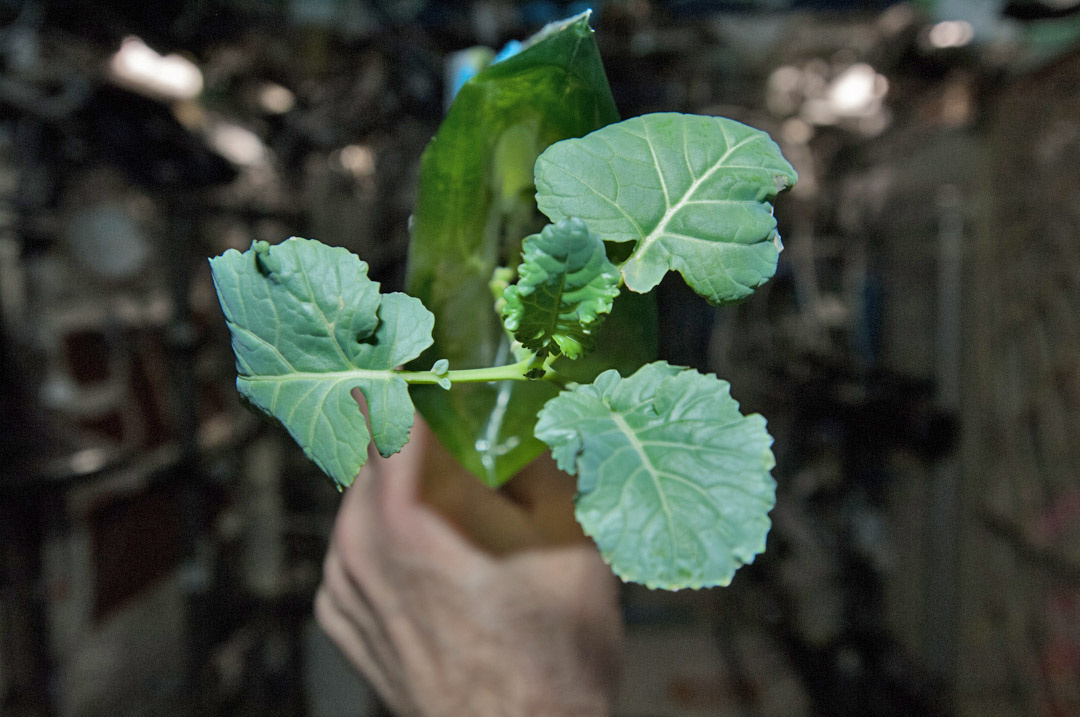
(917, 355)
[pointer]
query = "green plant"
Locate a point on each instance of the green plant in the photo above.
(674, 482)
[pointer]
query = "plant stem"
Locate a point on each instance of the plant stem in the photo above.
(509, 372)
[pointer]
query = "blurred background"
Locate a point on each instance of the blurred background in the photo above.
(917, 355)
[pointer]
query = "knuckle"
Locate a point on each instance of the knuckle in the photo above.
(335, 583)
(324, 610)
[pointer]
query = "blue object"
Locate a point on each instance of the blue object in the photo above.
(509, 50)
(461, 67)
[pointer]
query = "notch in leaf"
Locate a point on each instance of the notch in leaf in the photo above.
(308, 326)
(566, 287)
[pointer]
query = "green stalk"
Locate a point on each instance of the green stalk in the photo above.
(509, 372)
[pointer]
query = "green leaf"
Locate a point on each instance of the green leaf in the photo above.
(673, 481)
(474, 206)
(692, 192)
(308, 326)
(565, 288)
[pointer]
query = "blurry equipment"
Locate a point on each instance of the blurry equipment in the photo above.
(916, 353)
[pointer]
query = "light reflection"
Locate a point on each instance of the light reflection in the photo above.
(357, 160)
(857, 91)
(238, 145)
(275, 99)
(951, 33)
(140, 66)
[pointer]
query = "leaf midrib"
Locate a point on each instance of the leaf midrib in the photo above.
(358, 373)
(646, 463)
(673, 209)
(556, 310)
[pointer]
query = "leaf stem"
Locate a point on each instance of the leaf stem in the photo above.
(509, 372)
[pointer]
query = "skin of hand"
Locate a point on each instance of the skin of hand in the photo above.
(453, 599)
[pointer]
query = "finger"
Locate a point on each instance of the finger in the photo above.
(486, 518)
(381, 517)
(356, 502)
(424, 475)
(353, 601)
(574, 582)
(342, 632)
(339, 629)
(425, 471)
(383, 627)
(401, 475)
(546, 495)
(540, 481)
(573, 573)
(361, 401)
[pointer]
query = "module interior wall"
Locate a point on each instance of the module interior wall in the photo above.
(1020, 646)
(917, 166)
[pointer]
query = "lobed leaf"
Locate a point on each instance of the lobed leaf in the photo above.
(565, 289)
(308, 326)
(674, 482)
(692, 192)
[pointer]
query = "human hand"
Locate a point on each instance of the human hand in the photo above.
(493, 605)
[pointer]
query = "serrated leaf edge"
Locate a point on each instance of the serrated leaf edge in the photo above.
(600, 390)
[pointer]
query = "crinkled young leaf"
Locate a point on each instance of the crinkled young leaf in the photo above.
(693, 192)
(565, 289)
(474, 205)
(308, 326)
(673, 481)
